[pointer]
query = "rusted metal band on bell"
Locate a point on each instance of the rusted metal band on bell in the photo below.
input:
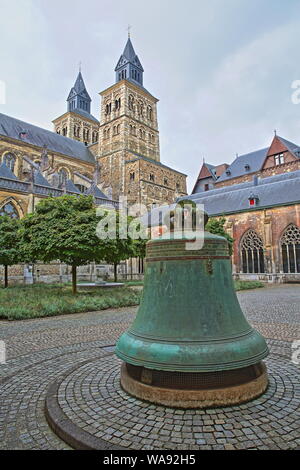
(178, 258)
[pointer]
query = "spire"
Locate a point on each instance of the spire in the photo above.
(78, 97)
(129, 66)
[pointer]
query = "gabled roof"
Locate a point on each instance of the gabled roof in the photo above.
(85, 114)
(96, 192)
(6, 172)
(272, 191)
(255, 161)
(282, 189)
(293, 148)
(70, 186)
(79, 88)
(129, 55)
(38, 178)
(11, 127)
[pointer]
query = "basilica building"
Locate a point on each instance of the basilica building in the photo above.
(115, 156)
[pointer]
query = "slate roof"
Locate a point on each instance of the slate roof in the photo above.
(95, 191)
(12, 127)
(130, 56)
(255, 161)
(293, 148)
(79, 87)
(38, 178)
(70, 186)
(6, 172)
(85, 114)
(138, 156)
(276, 190)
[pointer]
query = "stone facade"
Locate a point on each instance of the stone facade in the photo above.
(128, 150)
(270, 225)
(23, 199)
(77, 127)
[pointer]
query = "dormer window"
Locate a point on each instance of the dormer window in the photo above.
(228, 172)
(23, 134)
(247, 167)
(253, 200)
(279, 159)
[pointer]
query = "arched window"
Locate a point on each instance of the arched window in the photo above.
(252, 253)
(10, 210)
(141, 108)
(149, 113)
(10, 161)
(63, 176)
(131, 102)
(290, 249)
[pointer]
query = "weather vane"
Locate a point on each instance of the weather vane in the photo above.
(128, 29)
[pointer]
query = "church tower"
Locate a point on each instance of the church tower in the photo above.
(78, 123)
(128, 151)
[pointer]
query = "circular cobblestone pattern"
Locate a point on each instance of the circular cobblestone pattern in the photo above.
(68, 362)
(91, 398)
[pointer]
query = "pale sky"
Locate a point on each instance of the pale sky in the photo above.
(222, 69)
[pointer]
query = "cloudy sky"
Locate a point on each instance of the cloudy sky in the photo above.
(222, 69)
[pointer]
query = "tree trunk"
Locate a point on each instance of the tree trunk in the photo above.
(74, 279)
(115, 272)
(5, 276)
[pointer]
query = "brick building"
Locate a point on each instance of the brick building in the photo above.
(259, 196)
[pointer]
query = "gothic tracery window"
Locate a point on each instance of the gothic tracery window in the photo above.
(252, 253)
(63, 176)
(10, 161)
(290, 249)
(10, 210)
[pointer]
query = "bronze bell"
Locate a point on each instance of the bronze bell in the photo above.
(190, 345)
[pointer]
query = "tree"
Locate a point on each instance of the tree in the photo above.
(216, 226)
(9, 244)
(119, 249)
(62, 228)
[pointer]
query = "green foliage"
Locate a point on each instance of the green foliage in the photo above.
(121, 247)
(62, 228)
(216, 226)
(23, 302)
(244, 285)
(9, 241)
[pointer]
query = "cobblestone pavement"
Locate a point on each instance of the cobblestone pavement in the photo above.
(73, 350)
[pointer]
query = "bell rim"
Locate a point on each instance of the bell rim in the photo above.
(176, 367)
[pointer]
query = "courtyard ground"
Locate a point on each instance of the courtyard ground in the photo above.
(69, 361)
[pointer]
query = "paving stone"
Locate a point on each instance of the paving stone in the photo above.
(73, 350)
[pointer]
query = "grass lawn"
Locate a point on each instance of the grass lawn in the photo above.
(43, 300)
(46, 300)
(239, 285)
(244, 285)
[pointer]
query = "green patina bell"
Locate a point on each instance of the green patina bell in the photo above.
(190, 344)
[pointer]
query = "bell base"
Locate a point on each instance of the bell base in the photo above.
(199, 398)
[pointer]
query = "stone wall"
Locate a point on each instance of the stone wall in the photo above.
(269, 224)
